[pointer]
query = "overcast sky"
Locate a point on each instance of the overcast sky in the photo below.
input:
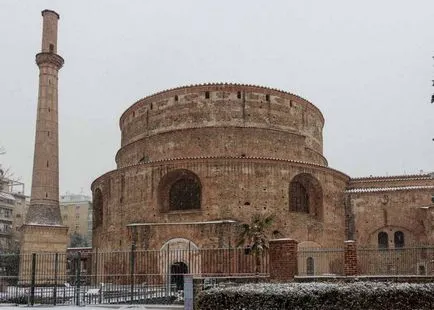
(367, 65)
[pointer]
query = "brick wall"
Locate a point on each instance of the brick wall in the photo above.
(350, 258)
(283, 259)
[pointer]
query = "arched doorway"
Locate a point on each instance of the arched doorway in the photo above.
(177, 271)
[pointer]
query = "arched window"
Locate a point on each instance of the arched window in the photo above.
(306, 195)
(299, 198)
(310, 266)
(184, 194)
(383, 240)
(179, 190)
(97, 205)
(398, 239)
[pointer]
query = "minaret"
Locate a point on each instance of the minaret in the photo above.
(43, 230)
(44, 199)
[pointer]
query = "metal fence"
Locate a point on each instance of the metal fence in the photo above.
(138, 276)
(418, 260)
(133, 276)
(405, 261)
(320, 262)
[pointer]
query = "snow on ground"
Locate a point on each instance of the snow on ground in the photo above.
(94, 307)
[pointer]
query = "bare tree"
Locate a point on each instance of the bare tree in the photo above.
(6, 175)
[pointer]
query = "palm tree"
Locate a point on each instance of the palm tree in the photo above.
(255, 237)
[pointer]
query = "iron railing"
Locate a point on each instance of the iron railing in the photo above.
(133, 276)
(151, 276)
(417, 260)
(320, 262)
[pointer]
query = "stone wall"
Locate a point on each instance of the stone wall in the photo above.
(389, 205)
(232, 114)
(231, 188)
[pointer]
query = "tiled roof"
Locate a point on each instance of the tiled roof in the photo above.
(388, 189)
(393, 178)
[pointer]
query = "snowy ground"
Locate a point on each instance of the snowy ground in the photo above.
(94, 307)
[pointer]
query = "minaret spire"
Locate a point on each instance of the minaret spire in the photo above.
(43, 231)
(44, 200)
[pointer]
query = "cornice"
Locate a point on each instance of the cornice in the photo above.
(235, 158)
(216, 85)
(142, 138)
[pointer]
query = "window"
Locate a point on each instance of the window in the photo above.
(6, 213)
(267, 97)
(305, 195)
(51, 48)
(310, 266)
(398, 239)
(239, 95)
(176, 97)
(179, 190)
(383, 240)
(299, 198)
(421, 270)
(184, 195)
(207, 95)
(97, 208)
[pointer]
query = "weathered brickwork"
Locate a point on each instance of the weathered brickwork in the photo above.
(232, 120)
(350, 258)
(195, 161)
(231, 189)
(283, 259)
(43, 230)
(391, 205)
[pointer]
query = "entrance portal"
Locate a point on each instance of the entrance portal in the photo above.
(177, 271)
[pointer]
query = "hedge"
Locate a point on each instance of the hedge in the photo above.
(303, 296)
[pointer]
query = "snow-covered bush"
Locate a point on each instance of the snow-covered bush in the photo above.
(358, 295)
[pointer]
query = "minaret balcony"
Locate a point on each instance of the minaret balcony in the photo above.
(49, 58)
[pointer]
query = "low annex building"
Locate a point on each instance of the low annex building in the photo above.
(197, 160)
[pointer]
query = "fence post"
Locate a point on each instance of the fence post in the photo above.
(283, 259)
(132, 263)
(78, 279)
(350, 258)
(56, 262)
(33, 280)
(96, 267)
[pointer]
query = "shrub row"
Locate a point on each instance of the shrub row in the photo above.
(324, 296)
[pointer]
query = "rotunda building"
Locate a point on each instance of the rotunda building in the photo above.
(195, 161)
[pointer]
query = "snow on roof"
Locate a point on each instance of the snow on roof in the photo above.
(405, 177)
(388, 189)
(7, 196)
(184, 223)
